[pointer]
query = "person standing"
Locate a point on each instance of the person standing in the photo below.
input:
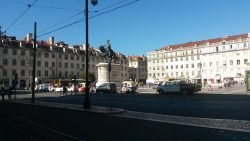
(9, 93)
(2, 93)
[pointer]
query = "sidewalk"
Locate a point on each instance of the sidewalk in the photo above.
(93, 109)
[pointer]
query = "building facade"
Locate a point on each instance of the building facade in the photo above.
(53, 60)
(138, 68)
(215, 60)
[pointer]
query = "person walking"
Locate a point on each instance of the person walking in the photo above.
(64, 90)
(2, 93)
(9, 93)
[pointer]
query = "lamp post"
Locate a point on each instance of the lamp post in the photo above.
(86, 103)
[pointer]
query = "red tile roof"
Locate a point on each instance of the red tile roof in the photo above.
(202, 42)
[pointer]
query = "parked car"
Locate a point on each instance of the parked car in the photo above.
(106, 88)
(81, 87)
(58, 89)
(178, 86)
(128, 87)
(42, 88)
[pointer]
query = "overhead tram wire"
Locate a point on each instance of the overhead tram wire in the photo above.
(70, 24)
(50, 7)
(76, 15)
(29, 6)
(81, 20)
(113, 9)
(61, 22)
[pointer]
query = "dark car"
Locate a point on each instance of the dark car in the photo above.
(107, 88)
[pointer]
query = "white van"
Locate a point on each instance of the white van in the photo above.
(129, 86)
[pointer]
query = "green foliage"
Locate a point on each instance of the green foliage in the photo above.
(91, 76)
(70, 76)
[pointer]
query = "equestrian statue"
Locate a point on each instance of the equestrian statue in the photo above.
(108, 52)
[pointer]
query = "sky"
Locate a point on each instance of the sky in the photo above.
(135, 29)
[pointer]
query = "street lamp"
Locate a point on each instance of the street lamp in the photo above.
(86, 103)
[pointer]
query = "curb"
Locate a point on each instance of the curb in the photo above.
(75, 107)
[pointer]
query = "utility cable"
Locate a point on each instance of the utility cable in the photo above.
(113, 9)
(43, 6)
(61, 22)
(81, 20)
(29, 6)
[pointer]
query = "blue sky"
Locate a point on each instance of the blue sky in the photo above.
(136, 29)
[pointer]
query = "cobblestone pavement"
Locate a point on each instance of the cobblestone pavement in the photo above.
(226, 124)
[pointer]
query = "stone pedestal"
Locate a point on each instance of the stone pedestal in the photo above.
(103, 73)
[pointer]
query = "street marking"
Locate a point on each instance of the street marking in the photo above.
(225, 124)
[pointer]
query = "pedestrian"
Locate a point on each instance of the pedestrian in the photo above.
(64, 90)
(209, 86)
(2, 93)
(9, 93)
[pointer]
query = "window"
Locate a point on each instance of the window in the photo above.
(23, 52)
(210, 64)
(46, 63)
(14, 62)
(66, 57)
(53, 64)
(5, 61)
(39, 63)
(14, 51)
(176, 66)
(14, 72)
(182, 66)
(171, 66)
(72, 65)
(22, 72)
(83, 66)
(72, 57)
(46, 73)
(38, 54)
(5, 72)
(5, 51)
(186, 65)
(217, 49)
(22, 62)
(231, 46)
(60, 64)
(77, 66)
(53, 55)
(66, 65)
(238, 62)
(38, 73)
(46, 54)
(217, 64)
(231, 62)
(60, 56)
(192, 65)
(31, 53)
(77, 57)
(245, 61)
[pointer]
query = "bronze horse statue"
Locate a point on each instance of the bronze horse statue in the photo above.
(108, 52)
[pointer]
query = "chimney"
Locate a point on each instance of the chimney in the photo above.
(29, 37)
(51, 40)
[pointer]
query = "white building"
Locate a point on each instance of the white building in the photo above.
(216, 60)
(53, 60)
(138, 68)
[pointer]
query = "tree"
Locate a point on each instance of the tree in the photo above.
(70, 75)
(91, 76)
